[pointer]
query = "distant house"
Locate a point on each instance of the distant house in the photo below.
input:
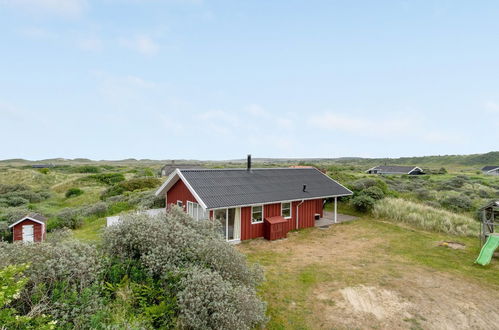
(167, 169)
(31, 228)
(490, 170)
(248, 202)
(394, 169)
(42, 165)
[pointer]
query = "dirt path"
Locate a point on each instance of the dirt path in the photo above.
(362, 286)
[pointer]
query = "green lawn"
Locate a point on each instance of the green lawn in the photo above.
(316, 263)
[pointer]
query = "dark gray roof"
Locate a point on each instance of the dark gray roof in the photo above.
(394, 168)
(489, 168)
(169, 168)
(37, 216)
(235, 187)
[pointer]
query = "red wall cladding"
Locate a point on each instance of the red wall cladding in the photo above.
(179, 192)
(38, 232)
(307, 211)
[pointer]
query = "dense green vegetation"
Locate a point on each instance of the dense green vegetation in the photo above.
(144, 275)
(164, 272)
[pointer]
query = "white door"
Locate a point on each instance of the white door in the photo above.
(28, 233)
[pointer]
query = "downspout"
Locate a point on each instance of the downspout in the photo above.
(298, 214)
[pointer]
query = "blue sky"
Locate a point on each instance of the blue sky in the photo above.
(202, 79)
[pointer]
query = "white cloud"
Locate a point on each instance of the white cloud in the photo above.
(38, 33)
(57, 7)
(142, 44)
(257, 111)
(362, 126)
(492, 107)
(90, 44)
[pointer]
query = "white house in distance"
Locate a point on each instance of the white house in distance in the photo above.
(490, 170)
(395, 169)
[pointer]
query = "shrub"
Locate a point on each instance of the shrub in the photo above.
(362, 203)
(374, 192)
(140, 183)
(12, 214)
(458, 203)
(425, 217)
(12, 282)
(422, 194)
(44, 170)
(176, 246)
(98, 209)
(147, 200)
(14, 201)
(107, 178)
(87, 169)
(130, 185)
(74, 192)
(70, 218)
(62, 280)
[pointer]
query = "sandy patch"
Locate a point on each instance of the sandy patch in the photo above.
(379, 302)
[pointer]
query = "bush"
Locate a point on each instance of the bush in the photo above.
(458, 203)
(87, 169)
(130, 185)
(69, 218)
(425, 217)
(362, 203)
(12, 214)
(107, 178)
(62, 280)
(12, 282)
(13, 201)
(98, 209)
(74, 192)
(212, 275)
(374, 192)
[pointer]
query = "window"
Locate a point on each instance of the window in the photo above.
(257, 214)
(196, 211)
(286, 210)
(179, 203)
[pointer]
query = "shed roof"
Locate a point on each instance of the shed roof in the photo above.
(489, 168)
(33, 216)
(218, 188)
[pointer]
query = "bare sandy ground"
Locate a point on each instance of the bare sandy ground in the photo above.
(368, 288)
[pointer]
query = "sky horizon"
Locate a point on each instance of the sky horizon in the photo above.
(217, 80)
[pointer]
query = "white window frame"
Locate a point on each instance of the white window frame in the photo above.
(260, 221)
(180, 203)
(290, 210)
(198, 209)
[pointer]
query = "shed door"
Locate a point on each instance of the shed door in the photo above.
(28, 233)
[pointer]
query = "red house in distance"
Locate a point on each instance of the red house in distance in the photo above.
(31, 228)
(251, 203)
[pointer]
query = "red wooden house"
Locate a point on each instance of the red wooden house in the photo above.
(244, 199)
(31, 228)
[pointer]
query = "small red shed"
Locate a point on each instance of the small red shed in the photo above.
(31, 228)
(275, 228)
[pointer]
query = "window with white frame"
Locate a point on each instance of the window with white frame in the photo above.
(286, 210)
(179, 203)
(257, 214)
(196, 211)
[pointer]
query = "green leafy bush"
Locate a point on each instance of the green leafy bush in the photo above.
(99, 209)
(374, 192)
(107, 178)
(362, 202)
(457, 203)
(70, 218)
(12, 282)
(86, 169)
(208, 274)
(74, 192)
(131, 185)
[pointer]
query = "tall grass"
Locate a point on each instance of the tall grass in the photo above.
(425, 217)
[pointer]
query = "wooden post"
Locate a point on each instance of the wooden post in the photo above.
(336, 210)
